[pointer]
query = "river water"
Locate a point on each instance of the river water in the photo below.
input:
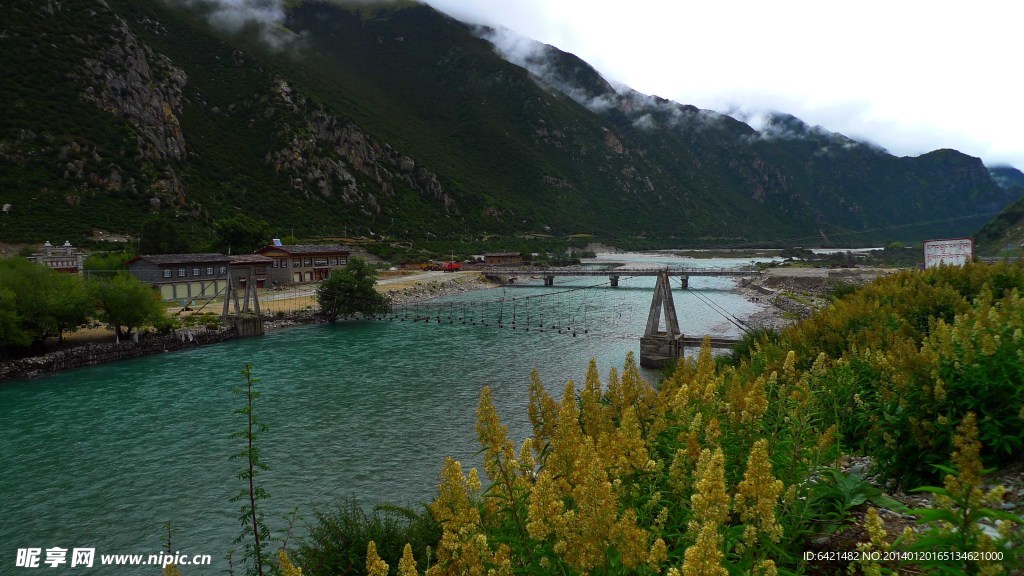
(103, 457)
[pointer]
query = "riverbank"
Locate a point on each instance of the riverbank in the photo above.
(96, 345)
(785, 295)
(93, 353)
(790, 294)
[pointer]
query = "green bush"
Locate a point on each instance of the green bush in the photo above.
(337, 541)
(911, 354)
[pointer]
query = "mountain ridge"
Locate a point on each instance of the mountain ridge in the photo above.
(398, 121)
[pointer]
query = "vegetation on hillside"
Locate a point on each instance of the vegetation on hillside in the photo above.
(1004, 234)
(397, 122)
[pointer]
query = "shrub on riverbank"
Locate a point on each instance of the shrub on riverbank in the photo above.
(903, 360)
(726, 469)
(338, 540)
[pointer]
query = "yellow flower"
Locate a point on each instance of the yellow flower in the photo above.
(407, 565)
(765, 568)
(712, 432)
(375, 566)
(875, 528)
(679, 472)
(755, 401)
(543, 411)
(285, 566)
(546, 508)
(493, 436)
(593, 417)
(658, 554)
(757, 495)
(623, 448)
(789, 366)
(455, 505)
(966, 455)
(710, 502)
(704, 558)
(828, 438)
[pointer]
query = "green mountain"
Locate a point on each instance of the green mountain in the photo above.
(1004, 234)
(397, 121)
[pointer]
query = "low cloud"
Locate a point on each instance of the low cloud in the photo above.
(647, 112)
(536, 59)
(232, 16)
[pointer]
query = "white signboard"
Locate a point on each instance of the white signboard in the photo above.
(952, 252)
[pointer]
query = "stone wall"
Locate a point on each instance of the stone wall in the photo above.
(91, 354)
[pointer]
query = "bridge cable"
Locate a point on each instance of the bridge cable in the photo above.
(719, 310)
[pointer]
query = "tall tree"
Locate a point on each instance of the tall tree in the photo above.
(107, 263)
(45, 302)
(69, 303)
(160, 235)
(12, 333)
(127, 303)
(240, 234)
(350, 290)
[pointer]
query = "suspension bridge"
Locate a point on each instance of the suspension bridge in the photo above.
(614, 274)
(581, 310)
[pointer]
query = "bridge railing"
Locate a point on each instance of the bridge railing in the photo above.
(695, 271)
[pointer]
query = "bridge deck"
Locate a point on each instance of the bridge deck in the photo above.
(625, 272)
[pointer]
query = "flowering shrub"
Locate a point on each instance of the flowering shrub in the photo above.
(714, 472)
(921, 351)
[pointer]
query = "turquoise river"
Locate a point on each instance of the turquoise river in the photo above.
(103, 457)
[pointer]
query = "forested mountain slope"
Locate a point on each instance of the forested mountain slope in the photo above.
(398, 121)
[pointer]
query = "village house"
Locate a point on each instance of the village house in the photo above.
(183, 276)
(303, 263)
(256, 265)
(503, 259)
(66, 258)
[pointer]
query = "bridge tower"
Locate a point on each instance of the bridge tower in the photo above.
(661, 348)
(245, 318)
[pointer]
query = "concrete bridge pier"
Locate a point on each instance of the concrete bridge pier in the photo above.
(661, 347)
(614, 281)
(549, 280)
(246, 318)
(659, 350)
(684, 281)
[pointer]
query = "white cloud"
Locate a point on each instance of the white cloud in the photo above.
(911, 76)
(234, 15)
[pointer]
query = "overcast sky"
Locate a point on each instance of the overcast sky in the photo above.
(907, 75)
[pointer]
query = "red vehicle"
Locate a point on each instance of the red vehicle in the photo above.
(452, 266)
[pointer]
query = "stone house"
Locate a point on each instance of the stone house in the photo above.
(303, 263)
(183, 276)
(503, 259)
